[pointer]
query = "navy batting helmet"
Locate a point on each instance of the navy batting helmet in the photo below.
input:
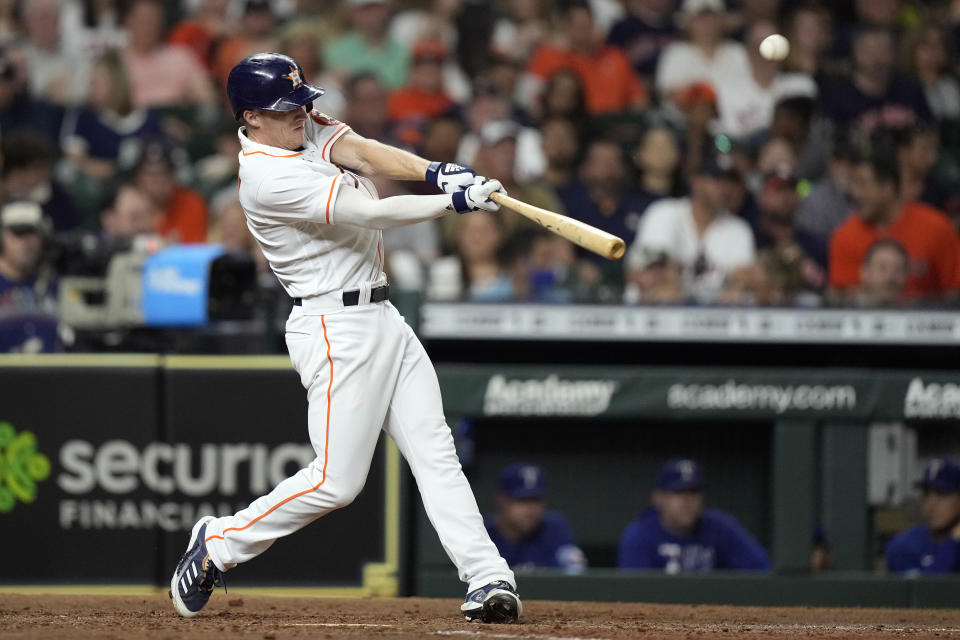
(270, 81)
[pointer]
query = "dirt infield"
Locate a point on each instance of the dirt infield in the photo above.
(273, 618)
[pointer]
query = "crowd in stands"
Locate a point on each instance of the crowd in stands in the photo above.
(826, 179)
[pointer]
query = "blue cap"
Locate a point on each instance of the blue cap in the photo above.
(941, 474)
(680, 474)
(520, 481)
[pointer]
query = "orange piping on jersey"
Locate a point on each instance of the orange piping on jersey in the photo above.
(379, 256)
(323, 152)
(326, 442)
(292, 155)
(330, 196)
(326, 448)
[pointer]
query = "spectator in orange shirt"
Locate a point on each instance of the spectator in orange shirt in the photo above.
(184, 211)
(204, 30)
(607, 76)
(930, 240)
(424, 97)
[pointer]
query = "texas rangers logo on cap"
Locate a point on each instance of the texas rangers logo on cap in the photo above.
(294, 77)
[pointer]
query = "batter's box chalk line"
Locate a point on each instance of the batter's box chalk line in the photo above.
(785, 629)
(482, 634)
(339, 624)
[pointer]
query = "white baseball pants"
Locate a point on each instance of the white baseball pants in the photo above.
(364, 369)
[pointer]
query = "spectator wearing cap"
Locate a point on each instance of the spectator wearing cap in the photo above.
(705, 56)
(928, 236)
(439, 20)
(934, 545)
(706, 241)
(526, 534)
(678, 535)
(366, 46)
(184, 211)
(28, 287)
(776, 226)
(489, 105)
(610, 84)
(424, 97)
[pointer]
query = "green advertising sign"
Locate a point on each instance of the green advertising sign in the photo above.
(658, 392)
(21, 467)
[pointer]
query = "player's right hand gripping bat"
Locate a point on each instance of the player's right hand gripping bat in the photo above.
(607, 245)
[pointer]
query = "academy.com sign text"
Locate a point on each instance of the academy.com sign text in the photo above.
(762, 397)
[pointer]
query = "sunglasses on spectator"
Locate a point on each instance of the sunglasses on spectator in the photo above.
(22, 229)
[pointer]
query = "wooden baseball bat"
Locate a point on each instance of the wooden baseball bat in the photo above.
(600, 242)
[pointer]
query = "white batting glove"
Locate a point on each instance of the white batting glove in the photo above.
(477, 197)
(450, 177)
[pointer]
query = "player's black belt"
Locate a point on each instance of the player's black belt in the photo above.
(352, 298)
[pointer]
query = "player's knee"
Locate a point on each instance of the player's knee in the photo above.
(347, 494)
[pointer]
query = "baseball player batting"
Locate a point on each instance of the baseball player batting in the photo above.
(320, 225)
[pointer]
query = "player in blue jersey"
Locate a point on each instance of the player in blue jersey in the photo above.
(526, 534)
(676, 534)
(934, 546)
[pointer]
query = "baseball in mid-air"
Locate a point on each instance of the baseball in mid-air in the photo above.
(775, 47)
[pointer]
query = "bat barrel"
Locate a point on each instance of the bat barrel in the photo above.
(600, 242)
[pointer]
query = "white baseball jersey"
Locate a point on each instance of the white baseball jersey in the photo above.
(289, 199)
(362, 366)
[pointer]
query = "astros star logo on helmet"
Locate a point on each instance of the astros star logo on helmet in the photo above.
(294, 77)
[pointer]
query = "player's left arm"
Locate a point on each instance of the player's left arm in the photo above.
(372, 157)
(741, 550)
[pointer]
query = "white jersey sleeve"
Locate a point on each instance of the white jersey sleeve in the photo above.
(323, 131)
